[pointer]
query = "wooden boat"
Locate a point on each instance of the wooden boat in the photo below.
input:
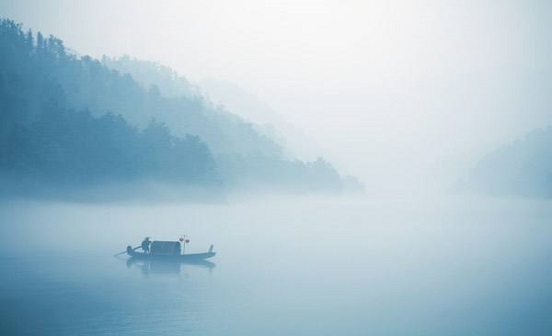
(169, 251)
(153, 265)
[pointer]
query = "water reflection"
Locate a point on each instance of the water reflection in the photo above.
(351, 269)
(166, 266)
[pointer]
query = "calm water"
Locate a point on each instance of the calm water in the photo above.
(300, 267)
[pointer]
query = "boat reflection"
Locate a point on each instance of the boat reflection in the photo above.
(166, 266)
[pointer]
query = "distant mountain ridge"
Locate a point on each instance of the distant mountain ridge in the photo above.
(522, 168)
(75, 120)
(250, 107)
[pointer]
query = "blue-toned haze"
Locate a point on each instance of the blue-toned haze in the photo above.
(398, 93)
(361, 167)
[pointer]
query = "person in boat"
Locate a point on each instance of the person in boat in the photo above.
(146, 245)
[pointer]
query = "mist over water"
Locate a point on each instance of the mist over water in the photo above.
(231, 122)
(401, 94)
(310, 266)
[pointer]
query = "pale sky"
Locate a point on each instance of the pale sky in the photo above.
(391, 90)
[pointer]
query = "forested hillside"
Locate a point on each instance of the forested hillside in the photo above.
(522, 168)
(73, 120)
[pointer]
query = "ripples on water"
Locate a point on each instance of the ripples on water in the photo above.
(310, 267)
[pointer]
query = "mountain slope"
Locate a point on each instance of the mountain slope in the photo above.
(522, 168)
(78, 120)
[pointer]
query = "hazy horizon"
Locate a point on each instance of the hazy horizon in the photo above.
(430, 106)
(397, 93)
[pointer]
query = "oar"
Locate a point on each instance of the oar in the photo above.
(118, 254)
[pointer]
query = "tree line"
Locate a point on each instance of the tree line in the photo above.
(75, 120)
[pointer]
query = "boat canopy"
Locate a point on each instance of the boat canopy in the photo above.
(165, 248)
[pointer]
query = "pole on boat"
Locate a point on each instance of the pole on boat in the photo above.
(183, 240)
(134, 249)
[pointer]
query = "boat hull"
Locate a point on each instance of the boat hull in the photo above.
(180, 257)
